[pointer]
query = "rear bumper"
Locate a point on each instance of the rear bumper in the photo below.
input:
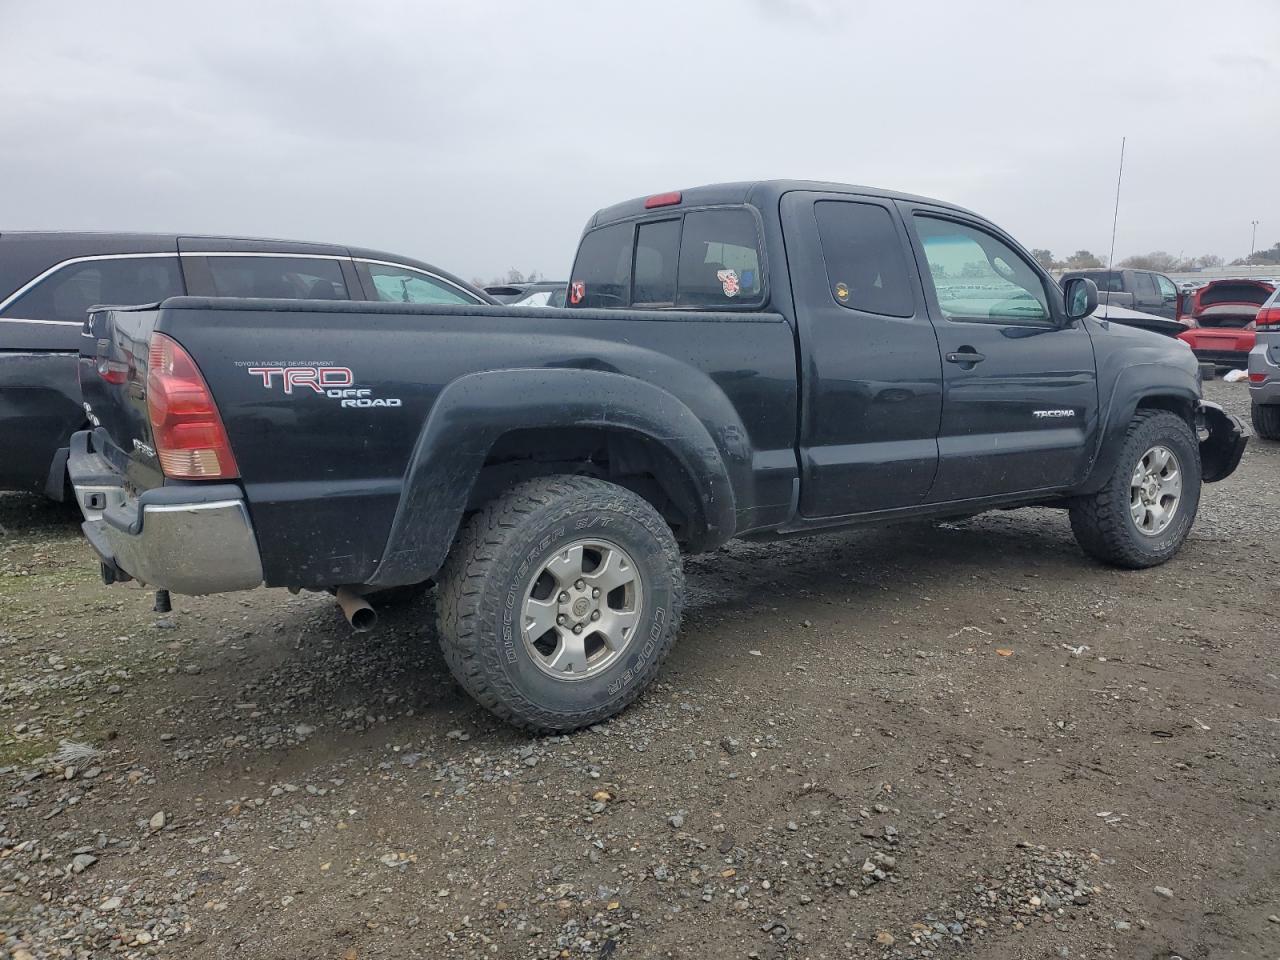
(1221, 346)
(188, 539)
(1222, 448)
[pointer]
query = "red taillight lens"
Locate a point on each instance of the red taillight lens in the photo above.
(662, 200)
(189, 438)
(1257, 377)
(1268, 317)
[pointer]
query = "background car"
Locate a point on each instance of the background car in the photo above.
(1222, 314)
(48, 280)
(544, 293)
(1264, 370)
(1152, 296)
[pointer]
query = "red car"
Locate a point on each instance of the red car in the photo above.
(1222, 314)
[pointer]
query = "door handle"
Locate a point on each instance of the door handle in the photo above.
(967, 356)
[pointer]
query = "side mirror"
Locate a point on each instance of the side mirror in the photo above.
(1081, 296)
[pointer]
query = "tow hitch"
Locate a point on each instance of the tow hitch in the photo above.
(1223, 441)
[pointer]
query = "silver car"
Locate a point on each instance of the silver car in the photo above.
(1264, 370)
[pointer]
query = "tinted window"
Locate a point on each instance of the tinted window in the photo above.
(657, 251)
(978, 277)
(67, 293)
(286, 278)
(407, 285)
(719, 259)
(866, 268)
(1104, 279)
(1144, 285)
(603, 268)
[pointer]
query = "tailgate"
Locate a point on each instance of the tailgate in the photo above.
(113, 383)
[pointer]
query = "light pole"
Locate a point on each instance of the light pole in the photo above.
(1253, 245)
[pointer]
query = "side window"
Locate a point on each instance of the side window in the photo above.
(1167, 290)
(283, 278)
(1144, 285)
(719, 259)
(67, 293)
(866, 268)
(602, 273)
(657, 253)
(978, 277)
(407, 285)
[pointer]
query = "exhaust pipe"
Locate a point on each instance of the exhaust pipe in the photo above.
(356, 609)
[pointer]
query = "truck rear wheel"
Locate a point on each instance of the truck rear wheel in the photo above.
(560, 601)
(1144, 513)
(1266, 420)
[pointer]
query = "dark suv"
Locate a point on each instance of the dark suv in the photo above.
(49, 280)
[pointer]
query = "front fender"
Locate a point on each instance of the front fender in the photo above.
(472, 412)
(1152, 383)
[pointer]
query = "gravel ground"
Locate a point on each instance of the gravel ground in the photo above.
(928, 740)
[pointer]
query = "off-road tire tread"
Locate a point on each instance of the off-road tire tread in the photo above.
(1100, 521)
(1266, 420)
(467, 626)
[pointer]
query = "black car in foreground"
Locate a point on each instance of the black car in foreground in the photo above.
(740, 360)
(49, 280)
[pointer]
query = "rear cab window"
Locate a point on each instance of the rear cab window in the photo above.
(704, 259)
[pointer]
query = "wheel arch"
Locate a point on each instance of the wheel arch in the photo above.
(489, 430)
(1140, 386)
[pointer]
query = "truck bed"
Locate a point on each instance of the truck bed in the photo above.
(358, 428)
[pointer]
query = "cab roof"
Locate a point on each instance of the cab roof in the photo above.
(762, 194)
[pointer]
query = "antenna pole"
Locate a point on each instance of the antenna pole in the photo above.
(1115, 219)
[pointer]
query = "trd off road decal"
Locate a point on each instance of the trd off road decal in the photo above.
(333, 383)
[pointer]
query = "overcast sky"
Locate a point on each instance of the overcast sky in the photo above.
(480, 136)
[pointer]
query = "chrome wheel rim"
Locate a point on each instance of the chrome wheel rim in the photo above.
(581, 609)
(1155, 491)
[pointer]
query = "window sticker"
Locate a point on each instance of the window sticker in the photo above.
(577, 292)
(728, 282)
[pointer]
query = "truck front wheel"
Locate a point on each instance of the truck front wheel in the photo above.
(560, 601)
(1144, 513)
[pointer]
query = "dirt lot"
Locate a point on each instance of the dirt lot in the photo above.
(920, 741)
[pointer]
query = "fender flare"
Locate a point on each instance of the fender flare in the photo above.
(1134, 384)
(472, 412)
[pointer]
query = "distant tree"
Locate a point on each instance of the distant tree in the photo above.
(1155, 260)
(1045, 259)
(1208, 260)
(1270, 255)
(1083, 260)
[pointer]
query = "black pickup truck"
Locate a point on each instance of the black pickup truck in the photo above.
(741, 360)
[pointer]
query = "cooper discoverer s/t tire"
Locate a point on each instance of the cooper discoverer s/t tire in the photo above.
(1159, 448)
(1266, 420)
(560, 601)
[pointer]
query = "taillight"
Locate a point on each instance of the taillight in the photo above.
(1268, 317)
(186, 428)
(1257, 377)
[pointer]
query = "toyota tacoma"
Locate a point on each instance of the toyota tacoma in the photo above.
(740, 360)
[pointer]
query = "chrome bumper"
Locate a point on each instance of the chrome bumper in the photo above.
(188, 539)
